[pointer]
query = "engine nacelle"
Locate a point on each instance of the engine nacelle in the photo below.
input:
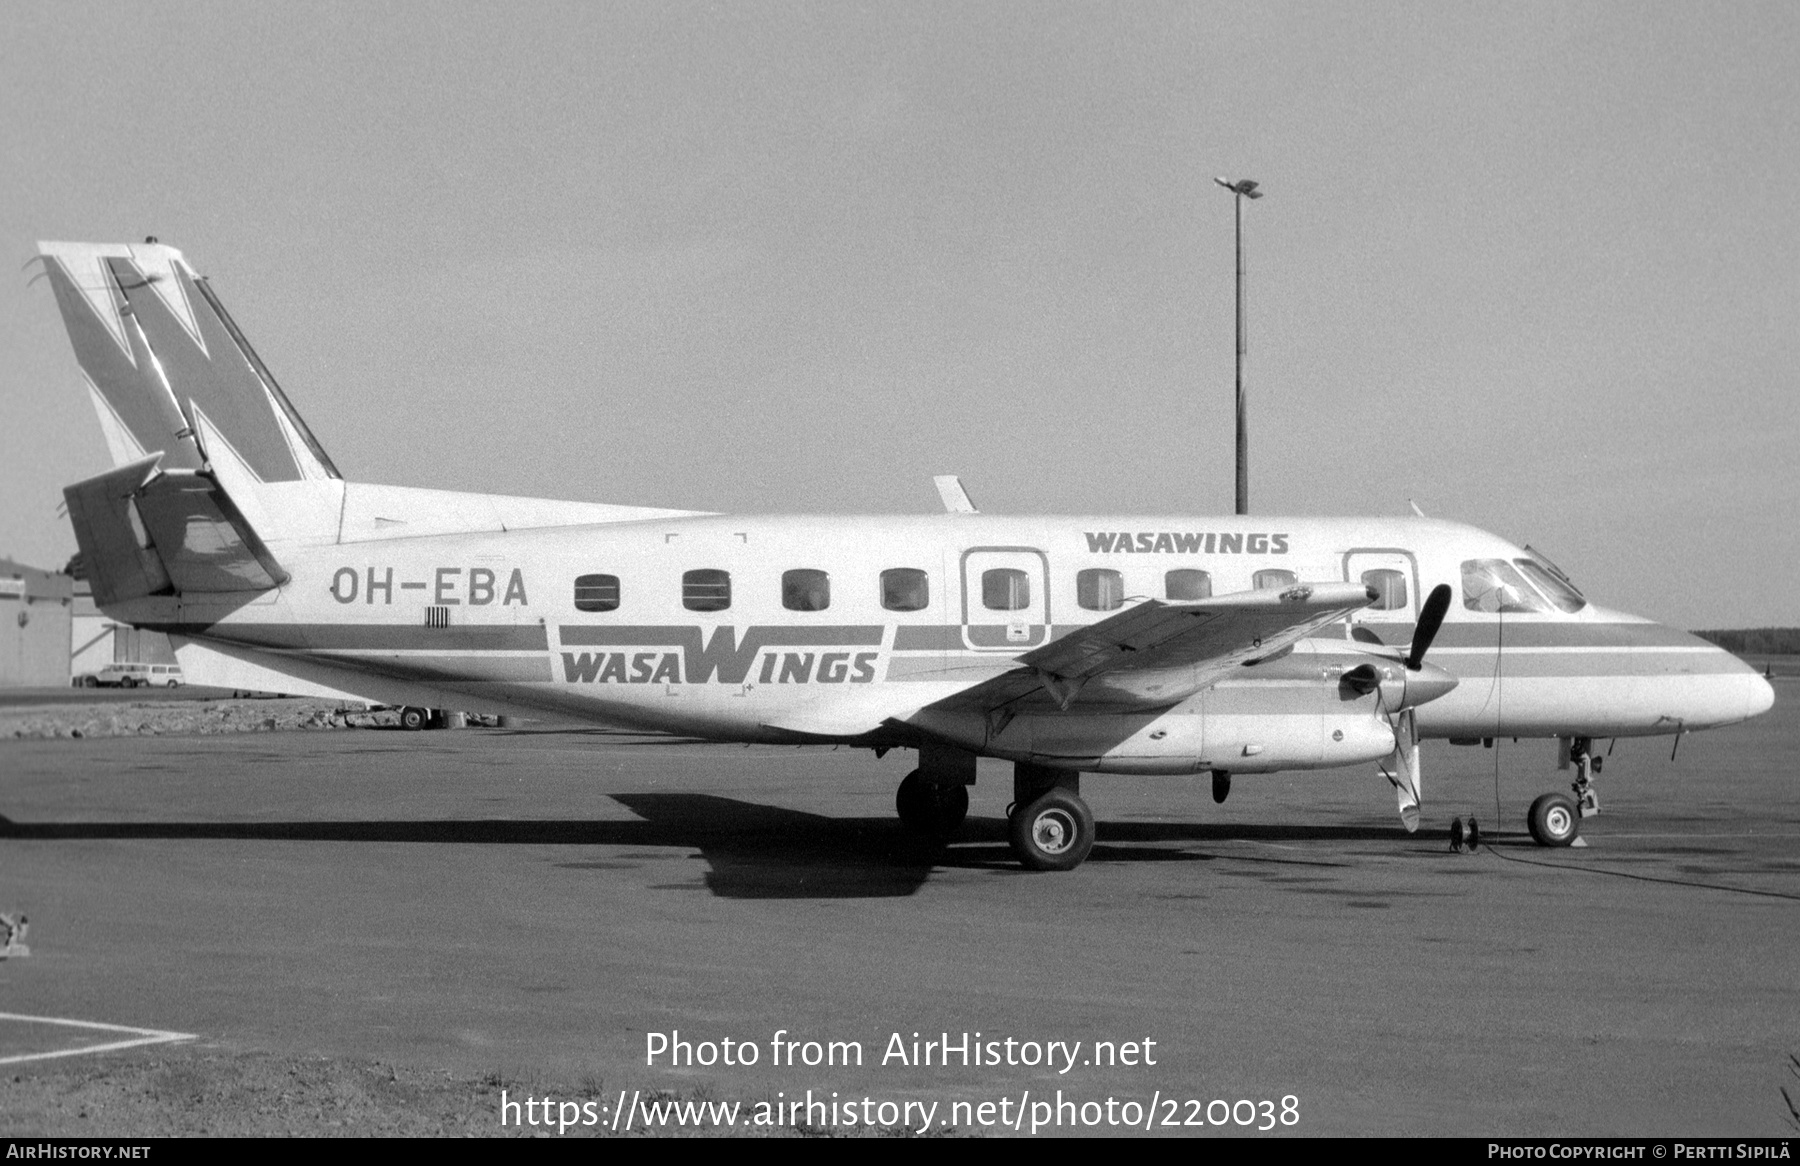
(1186, 739)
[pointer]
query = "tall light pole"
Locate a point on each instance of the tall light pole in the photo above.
(1242, 189)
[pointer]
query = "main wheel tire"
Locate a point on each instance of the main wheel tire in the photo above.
(1054, 832)
(1554, 821)
(932, 810)
(414, 718)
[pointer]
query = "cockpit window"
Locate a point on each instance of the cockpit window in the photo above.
(1552, 582)
(1491, 585)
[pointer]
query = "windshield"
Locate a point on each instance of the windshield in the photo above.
(1552, 583)
(1491, 585)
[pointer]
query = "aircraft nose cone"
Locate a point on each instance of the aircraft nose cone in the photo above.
(1426, 684)
(1760, 697)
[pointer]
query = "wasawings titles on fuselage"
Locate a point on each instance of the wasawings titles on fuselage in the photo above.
(1177, 542)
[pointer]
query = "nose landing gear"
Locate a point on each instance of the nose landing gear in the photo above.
(1555, 819)
(1581, 755)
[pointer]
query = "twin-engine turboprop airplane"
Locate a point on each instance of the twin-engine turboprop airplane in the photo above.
(1066, 645)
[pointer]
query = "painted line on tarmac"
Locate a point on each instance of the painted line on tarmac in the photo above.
(1735, 834)
(142, 1036)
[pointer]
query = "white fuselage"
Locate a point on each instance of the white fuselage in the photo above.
(690, 625)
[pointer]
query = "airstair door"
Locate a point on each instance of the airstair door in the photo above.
(1005, 598)
(1394, 575)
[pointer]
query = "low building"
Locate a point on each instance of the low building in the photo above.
(51, 633)
(36, 610)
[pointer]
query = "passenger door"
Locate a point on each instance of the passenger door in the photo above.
(1395, 575)
(1005, 598)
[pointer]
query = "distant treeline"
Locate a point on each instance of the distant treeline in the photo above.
(1757, 641)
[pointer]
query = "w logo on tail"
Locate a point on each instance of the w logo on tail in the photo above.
(157, 348)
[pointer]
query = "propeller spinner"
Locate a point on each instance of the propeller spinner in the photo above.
(1415, 682)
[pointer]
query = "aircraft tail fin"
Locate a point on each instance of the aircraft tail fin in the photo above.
(146, 531)
(158, 349)
(172, 378)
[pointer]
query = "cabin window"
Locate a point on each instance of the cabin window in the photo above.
(905, 589)
(1561, 591)
(706, 590)
(1005, 589)
(1390, 590)
(1187, 584)
(1491, 585)
(804, 589)
(596, 592)
(1274, 579)
(1098, 589)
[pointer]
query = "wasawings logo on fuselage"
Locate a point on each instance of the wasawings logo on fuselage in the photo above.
(1185, 542)
(686, 655)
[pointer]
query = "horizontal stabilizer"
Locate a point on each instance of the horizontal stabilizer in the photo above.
(116, 557)
(143, 531)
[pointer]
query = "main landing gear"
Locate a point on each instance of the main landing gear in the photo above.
(1050, 827)
(934, 798)
(1048, 824)
(1555, 819)
(929, 808)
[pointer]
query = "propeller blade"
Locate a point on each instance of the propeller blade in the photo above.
(1404, 771)
(1430, 620)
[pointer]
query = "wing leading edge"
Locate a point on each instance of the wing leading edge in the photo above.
(1157, 653)
(1150, 655)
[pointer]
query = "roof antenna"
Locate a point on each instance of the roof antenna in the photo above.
(955, 498)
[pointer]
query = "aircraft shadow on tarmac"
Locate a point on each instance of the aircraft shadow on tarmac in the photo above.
(753, 851)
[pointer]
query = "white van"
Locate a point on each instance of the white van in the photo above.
(127, 675)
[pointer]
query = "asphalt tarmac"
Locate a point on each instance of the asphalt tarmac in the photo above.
(52, 695)
(536, 903)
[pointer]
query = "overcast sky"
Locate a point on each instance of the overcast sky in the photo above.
(1534, 266)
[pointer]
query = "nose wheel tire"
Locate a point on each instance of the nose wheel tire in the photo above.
(930, 809)
(1054, 832)
(1554, 820)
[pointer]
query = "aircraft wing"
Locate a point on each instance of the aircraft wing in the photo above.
(1157, 652)
(1149, 655)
